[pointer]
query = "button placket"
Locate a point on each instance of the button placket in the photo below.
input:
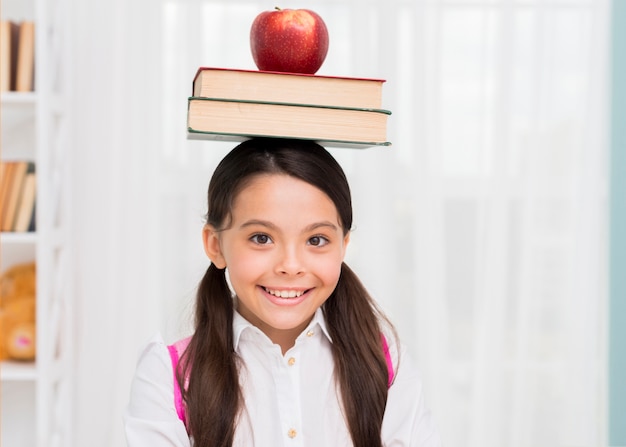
(288, 381)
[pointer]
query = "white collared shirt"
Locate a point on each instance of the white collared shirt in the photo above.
(290, 400)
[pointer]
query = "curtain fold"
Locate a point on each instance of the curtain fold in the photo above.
(481, 231)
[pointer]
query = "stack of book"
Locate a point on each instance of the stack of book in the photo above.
(233, 105)
(17, 56)
(17, 196)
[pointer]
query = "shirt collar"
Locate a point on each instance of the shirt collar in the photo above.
(240, 325)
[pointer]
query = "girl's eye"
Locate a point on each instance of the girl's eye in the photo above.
(261, 239)
(318, 241)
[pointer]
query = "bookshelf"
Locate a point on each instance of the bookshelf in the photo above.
(36, 397)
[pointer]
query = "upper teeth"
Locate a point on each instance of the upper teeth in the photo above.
(285, 293)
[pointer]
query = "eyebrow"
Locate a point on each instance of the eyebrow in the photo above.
(271, 226)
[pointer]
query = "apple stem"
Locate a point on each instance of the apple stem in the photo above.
(277, 8)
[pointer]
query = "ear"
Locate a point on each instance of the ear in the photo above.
(212, 247)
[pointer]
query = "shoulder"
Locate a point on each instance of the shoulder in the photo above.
(153, 359)
(154, 374)
(393, 344)
(153, 346)
(407, 417)
(406, 373)
(177, 348)
(153, 377)
(150, 417)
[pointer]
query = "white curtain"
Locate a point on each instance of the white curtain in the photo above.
(481, 231)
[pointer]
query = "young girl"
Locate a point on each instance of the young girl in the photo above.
(289, 349)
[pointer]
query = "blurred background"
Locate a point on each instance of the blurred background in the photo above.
(482, 231)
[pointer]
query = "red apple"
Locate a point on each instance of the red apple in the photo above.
(289, 40)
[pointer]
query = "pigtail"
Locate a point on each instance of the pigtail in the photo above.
(210, 363)
(360, 366)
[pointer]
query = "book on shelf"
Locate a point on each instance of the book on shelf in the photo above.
(9, 32)
(7, 171)
(15, 180)
(297, 88)
(25, 215)
(229, 119)
(13, 195)
(25, 70)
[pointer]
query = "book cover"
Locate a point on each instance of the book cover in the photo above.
(222, 119)
(269, 86)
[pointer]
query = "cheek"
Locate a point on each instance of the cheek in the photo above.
(245, 268)
(329, 270)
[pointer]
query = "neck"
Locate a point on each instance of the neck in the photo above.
(285, 338)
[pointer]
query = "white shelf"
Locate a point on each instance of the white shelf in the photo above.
(17, 248)
(18, 371)
(26, 99)
(18, 117)
(26, 238)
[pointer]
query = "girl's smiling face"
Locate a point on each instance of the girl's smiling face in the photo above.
(283, 249)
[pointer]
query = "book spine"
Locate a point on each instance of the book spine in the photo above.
(9, 36)
(17, 194)
(26, 208)
(25, 75)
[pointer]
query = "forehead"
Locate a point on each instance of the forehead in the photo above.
(270, 192)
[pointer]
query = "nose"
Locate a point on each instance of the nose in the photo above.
(290, 262)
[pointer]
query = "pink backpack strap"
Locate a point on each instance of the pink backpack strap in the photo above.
(175, 351)
(388, 359)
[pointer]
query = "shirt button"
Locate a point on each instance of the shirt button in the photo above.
(310, 334)
(291, 361)
(292, 433)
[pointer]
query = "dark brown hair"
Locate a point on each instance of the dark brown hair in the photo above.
(352, 316)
